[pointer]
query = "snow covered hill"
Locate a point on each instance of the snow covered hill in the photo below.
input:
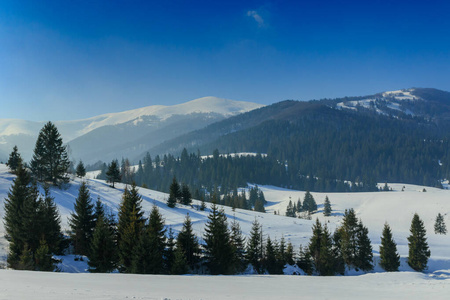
(128, 126)
(395, 207)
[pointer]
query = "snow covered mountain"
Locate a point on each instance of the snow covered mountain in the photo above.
(125, 133)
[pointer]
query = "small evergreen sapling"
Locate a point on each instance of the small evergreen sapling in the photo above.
(439, 225)
(327, 207)
(389, 257)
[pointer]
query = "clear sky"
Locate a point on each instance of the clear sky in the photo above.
(75, 59)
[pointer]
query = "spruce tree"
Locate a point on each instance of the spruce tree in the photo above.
(349, 238)
(186, 197)
(439, 225)
(218, 248)
(389, 257)
(50, 223)
(14, 160)
(327, 207)
(238, 244)
(419, 252)
(174, 193)
(290, 210)
(271, 262)
(180, 265)
(82, 221)
(43, 258)
(169, 251)
(50, 161)
(113, 172)
(364, 256)
(188, 244)
(309, 204)
(304, 260)
(80, 170)
(254, 246)
(103, 252)
(149, 253)
(129, 227)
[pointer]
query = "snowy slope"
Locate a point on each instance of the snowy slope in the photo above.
(24, 133)
(374, 209)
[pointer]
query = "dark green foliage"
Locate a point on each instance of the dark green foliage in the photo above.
(14, 160)
(80, 170)
(187, 242)
(43, 258)
(254, 246)
(169, 251)
(304, 260)
(218, 248)
(349, 239)
(180, 265)
(50, 161)
(419, 252)
(272, 263)
(186, 197)
(290, 210)
(103, 252)
(389, 257)
(439, 225)
(327, 207)
(148, 256)
(129, 227)
(309, 204)
(113, 172)
(30, 222)
(238, 244)
(82, 221)
(174, 193)
(321, 250)
(364, 255)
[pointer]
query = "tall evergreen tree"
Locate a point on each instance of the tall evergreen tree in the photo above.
(186, 197)
(238, 244)
(50, 161)
(103, 252)
(309, 204)
(320, 249)
(439, 225)
(327, 207)
(80, 170)
(389, 257)
(50, 223)
(188, 244)
(419, 252)
(218, 248)
(82, 221)
(174, 193)
(364, 256)
(271, 262)
(349, 238)
(14, 160)
(254, 246)
(113, 172)
(149, 253)
(129, 227)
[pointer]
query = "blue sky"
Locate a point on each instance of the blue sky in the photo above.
(75, 59)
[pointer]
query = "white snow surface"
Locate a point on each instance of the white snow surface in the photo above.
(395, 207)
(75, 128)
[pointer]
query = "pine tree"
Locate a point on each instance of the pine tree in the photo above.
(113, 172)
(304, 260)
(309, 204)
(188, 244)
(103, 252)
(321, 250)
(174, 193)
(218, 249)
(389, 257)
(50, 161)
(238, 244)
(149, 253)
(169, 251)
(43, 258)
(80, 170)
(271, 262)
(327, 207)
(82, 221)
(254, 246)
(419, 252)
(129, 227)
(180, 265)
(439, 225)
(364, 256)
(186, 197)
(290, 210)
(50, 223)
(349, 239)
(14, 160)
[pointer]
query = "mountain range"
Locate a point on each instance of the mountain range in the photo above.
(123, 134)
